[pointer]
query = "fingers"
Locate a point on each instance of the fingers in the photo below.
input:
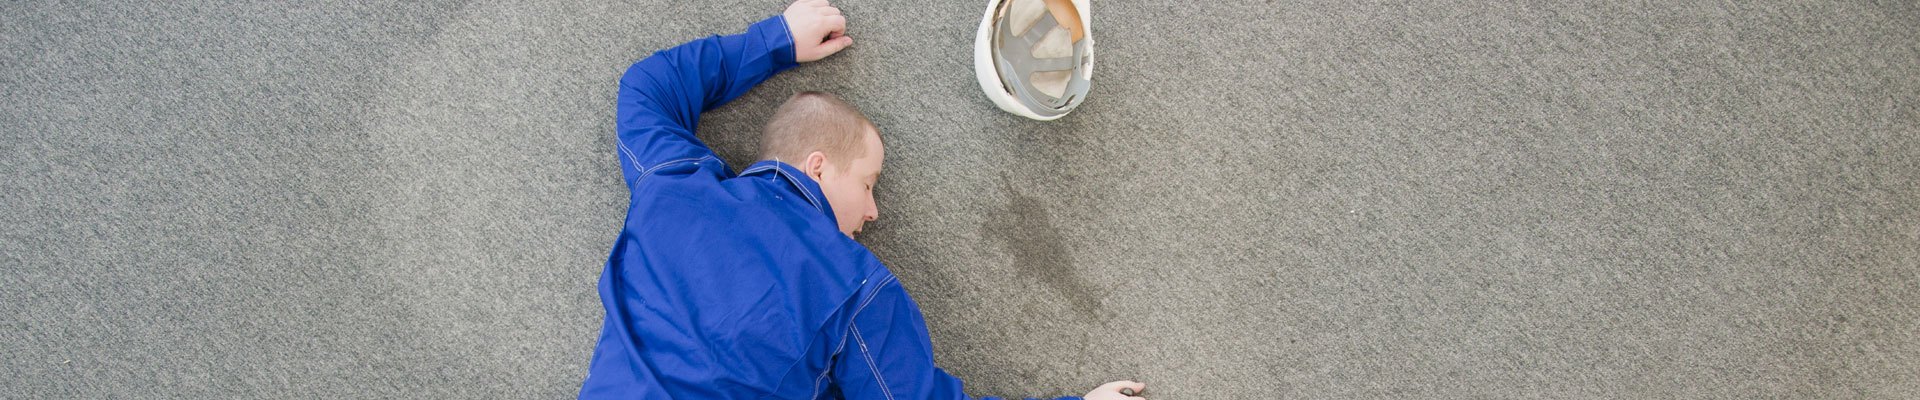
(836, 44)
(824, 9)
(814, 4)
(1131, 389)
(803, 5)
(835, 24)
(1118, 390)
(818, 29)
(811, 7)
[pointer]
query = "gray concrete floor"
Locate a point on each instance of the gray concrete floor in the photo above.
(1263, 199)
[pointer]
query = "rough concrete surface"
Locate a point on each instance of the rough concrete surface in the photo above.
(1262, 199)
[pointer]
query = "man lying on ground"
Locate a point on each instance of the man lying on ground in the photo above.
(724, 286)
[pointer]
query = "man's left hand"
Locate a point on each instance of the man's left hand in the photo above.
(817, 28)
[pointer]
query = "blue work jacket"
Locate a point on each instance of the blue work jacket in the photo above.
(725, 286)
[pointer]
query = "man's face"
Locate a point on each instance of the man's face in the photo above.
(848, 185)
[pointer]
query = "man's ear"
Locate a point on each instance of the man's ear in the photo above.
(815, 165)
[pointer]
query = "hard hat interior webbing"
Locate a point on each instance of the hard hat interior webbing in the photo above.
(1047, 80)
(1041, 52)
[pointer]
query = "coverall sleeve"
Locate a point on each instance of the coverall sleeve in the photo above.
(890, 356)
(661, 97)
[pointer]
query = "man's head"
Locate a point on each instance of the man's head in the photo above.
(836, 145)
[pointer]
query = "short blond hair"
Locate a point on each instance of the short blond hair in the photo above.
(815, 121)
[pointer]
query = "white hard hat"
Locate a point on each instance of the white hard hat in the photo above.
(1034, 58)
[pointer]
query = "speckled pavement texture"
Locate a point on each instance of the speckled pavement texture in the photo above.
(1262, 199)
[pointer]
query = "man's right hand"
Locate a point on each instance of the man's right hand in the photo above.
(1112, 391)
(817, 28)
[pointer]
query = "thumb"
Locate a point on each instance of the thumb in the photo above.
(1131, 386)
(836, 44)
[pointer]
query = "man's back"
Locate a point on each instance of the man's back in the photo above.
(725, 288)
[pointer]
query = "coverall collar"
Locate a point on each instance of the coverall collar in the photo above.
(803, 184)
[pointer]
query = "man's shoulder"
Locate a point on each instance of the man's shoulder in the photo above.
(746, 204)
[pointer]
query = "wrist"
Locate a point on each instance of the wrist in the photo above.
(777, 35)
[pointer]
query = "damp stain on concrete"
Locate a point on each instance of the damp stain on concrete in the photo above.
(1026, 230)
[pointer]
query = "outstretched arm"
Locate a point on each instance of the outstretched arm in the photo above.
(888, 355)
(662, 96)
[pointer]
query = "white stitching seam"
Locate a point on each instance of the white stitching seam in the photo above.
(843, 339)
(803, 189)
(657, 167)
(823, 374)
(870, 364)
(876, 289)
(629, 152)
(785, 31)
(796, 182)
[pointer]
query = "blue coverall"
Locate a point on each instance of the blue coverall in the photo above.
(724, 286)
